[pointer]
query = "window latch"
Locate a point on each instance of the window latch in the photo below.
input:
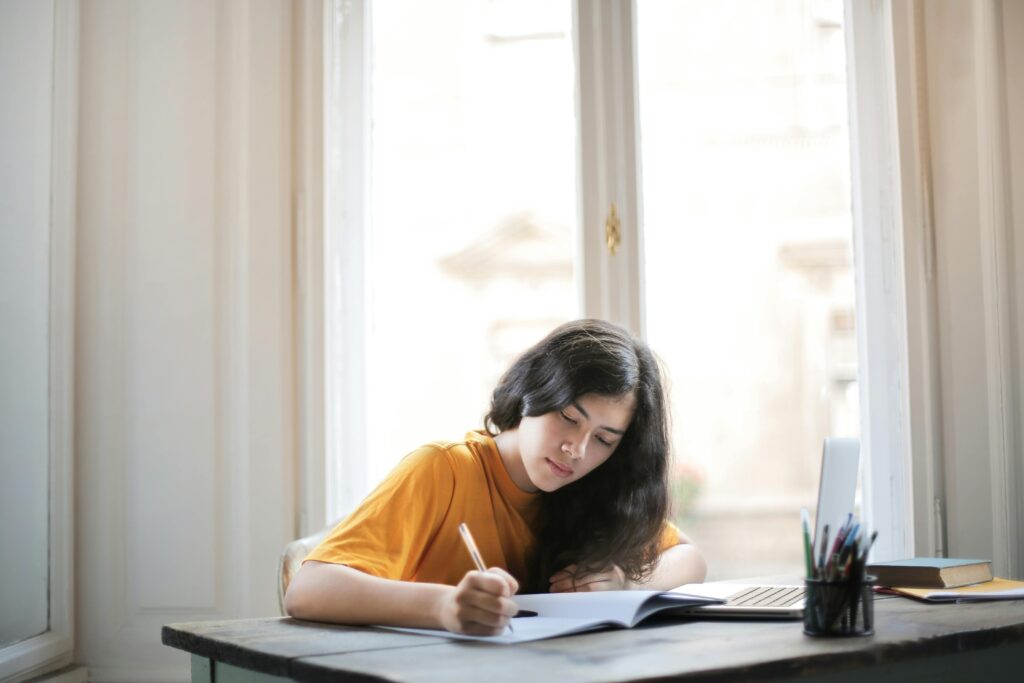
(612, 230)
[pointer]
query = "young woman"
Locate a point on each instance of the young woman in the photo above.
(565, 491)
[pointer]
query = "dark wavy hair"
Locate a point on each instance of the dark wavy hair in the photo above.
(615, 514)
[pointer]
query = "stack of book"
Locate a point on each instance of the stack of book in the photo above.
(945, 579)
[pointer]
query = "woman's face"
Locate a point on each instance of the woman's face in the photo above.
(565, 445)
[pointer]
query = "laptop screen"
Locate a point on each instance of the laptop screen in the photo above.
(838, 484)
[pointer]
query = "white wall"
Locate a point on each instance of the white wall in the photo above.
(1013, 44)
(185, 394)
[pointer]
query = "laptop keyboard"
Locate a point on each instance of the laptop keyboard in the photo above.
(767, 596)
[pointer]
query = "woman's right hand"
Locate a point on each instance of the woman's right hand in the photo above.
(481, 604)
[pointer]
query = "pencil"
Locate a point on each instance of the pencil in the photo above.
(474, 552)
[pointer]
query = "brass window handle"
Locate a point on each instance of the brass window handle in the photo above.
(612, 230)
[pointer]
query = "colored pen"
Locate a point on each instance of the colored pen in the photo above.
(851, 536)
(824, 550)
(841, 534)
(867, 546)
(808, 553)
(474, 552)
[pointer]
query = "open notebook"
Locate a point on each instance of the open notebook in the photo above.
(836, 490)
(560, 614)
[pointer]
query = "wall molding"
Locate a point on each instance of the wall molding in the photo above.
(62, 325)
(1012, 25)
(996, 253)
(308, 199)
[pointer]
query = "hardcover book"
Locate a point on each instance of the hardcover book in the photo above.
(931, 572)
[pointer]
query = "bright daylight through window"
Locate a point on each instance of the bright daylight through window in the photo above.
(473, 208)
(748, 262)
(748, 281)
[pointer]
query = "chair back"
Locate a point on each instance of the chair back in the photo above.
(291, 559)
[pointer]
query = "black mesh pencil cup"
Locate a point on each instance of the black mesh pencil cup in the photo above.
(839, 607)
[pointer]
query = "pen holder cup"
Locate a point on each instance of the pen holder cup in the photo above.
(841, 607)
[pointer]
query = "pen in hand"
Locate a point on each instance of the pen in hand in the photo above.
(467, 538)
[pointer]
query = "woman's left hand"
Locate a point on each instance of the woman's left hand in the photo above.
(568, 581)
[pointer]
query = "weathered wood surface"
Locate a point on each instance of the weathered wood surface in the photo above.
(905, 631)
(270, 645)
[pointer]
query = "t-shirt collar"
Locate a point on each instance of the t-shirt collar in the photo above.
(522, 500)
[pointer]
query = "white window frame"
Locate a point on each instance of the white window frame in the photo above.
(611, 286)
(880, 276)
(918, 231)
(608, 161)
(54, 648)
(346, 201)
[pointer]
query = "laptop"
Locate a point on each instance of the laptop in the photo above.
(836, 490)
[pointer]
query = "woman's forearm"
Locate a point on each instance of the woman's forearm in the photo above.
(339, 594)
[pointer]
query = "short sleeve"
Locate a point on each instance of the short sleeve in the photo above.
(670, 536)
(388, 534)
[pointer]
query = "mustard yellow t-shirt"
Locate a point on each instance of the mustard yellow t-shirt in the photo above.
(407, 528)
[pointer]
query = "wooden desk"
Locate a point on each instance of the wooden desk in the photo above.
(913, 642)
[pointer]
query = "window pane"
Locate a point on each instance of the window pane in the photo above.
(473, 207)
(749, 281)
